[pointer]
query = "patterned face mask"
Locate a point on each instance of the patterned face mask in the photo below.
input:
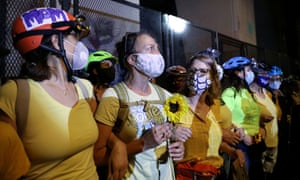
(263, 81)
(151, 64)
(197, 83)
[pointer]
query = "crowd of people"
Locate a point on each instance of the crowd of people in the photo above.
(242, 114)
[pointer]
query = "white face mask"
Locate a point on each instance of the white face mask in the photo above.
(80, 55)
(249, 77)
(198, 83)
(151, 64)
(275, 85)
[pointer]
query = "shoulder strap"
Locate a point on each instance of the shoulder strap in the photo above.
(22, 104)
(91, 102)
(83, 88)
(122, 94)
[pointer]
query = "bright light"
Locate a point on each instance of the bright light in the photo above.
(176, 24)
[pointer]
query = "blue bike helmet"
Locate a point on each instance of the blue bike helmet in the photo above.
(275, 70)
(236, 62)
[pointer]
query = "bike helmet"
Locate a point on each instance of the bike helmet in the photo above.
(29, 28)
(236, 62)
(275, 70)
(260, 67)
(99, 56)
(176, 70)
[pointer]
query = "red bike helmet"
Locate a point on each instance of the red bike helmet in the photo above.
(28, 29)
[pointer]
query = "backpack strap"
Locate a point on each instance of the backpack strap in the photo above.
(91, 102)
(22, 104)
(122, 94)
(82, 87)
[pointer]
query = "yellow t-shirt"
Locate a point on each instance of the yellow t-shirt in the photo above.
(205, 141)
(269, 108)
(135, 119)
(14, 161)
(222, 113)
(59, 140)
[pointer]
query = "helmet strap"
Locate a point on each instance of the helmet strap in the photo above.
(62, 53)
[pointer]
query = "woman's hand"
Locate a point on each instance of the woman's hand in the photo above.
(230, 136)
(176, 150)
(181, 133)
(157, 135)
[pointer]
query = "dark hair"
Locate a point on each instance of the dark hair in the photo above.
(230, 79)
(126, 47)
(35, 66)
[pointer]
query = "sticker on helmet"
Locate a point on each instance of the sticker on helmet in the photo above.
(38, 17)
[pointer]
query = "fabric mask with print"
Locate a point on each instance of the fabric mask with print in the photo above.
(275, 84)
(80, 55)
(249, 77)
(198, 83)
(151, 64)
(262, 81)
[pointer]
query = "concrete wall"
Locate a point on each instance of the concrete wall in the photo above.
(234, 18)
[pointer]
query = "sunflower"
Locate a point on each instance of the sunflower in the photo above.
(176, 107)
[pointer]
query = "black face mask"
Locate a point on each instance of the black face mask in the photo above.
(106, 75)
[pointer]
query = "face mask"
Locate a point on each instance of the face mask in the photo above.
(249, 77)
(151, 64)
(80, 55)
(198, 83)
(106, 75)
(275, 85)
(220, 71)
(262, 81)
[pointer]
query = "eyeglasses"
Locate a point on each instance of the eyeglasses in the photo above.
(200, 70)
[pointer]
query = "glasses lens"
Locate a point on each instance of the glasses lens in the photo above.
(200, 70)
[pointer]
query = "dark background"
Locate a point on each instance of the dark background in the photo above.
(277, 23)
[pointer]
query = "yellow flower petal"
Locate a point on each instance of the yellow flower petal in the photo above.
(180, 101)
